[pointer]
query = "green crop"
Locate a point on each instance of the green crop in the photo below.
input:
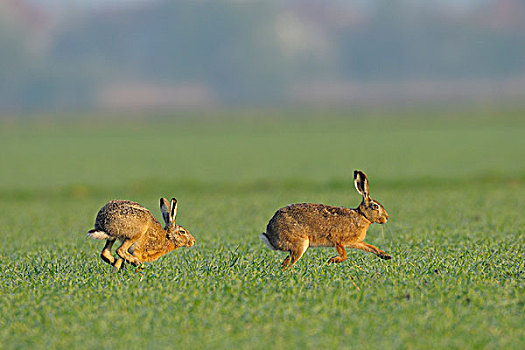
(452, 181)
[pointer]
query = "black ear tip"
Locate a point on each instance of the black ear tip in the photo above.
(174, 200)
(164, 201)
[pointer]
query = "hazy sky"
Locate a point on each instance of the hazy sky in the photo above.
(98, 3)
(61, 4)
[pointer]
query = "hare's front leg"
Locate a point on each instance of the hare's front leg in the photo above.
(371, 249)
(118, 265)
(122, 251)
(342, 254)
(295, 254)
(106, 252)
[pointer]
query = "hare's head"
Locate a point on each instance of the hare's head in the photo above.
(369, 208)
(177, 234)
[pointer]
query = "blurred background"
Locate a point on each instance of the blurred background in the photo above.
(84, 55)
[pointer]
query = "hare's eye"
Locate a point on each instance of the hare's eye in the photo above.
(375, 206)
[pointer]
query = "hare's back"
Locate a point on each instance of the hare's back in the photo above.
(124, 219)
(308, 218)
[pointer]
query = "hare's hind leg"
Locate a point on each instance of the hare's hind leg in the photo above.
(342, 254)
(295, 254)
(371, 249)
(106, 252)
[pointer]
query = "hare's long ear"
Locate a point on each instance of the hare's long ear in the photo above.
(361, 184)
(173, 213)
(165, 210)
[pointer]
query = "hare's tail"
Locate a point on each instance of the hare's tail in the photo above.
(266, 241)
(97, 234)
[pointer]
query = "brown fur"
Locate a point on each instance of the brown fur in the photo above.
(143, 237)
(298, 226)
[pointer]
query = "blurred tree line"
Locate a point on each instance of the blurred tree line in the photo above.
(253, 51)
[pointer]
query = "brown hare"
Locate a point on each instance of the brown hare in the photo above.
(298, 226)
(143, 238)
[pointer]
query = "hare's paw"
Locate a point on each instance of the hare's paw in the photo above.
(139, 268)
(285, 264)
(135, 261)
(335, 259)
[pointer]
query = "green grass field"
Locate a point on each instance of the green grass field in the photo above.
(453, 182)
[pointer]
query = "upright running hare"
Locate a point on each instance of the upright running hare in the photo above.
(298, 226)
(143, 238)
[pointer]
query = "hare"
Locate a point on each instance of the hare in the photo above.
(143, 238)
(298, 226)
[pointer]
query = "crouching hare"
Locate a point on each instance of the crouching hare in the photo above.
(298, 226)
(143, 238)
